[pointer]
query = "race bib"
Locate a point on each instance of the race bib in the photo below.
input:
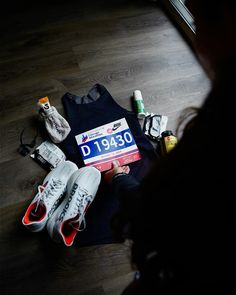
(104, 144)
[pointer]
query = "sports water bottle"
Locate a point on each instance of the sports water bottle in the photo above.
(139, 104)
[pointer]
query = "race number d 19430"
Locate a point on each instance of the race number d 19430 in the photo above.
(101, 145)
(107, 144)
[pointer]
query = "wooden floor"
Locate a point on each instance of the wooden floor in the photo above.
(54, 48)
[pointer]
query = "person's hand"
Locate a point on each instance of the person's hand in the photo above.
(115, 169)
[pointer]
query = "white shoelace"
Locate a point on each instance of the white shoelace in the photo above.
(81, 205)
(48, 191)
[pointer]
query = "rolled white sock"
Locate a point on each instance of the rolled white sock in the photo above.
(57, 127)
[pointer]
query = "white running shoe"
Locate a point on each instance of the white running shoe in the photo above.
(66, 221)
(48, 196)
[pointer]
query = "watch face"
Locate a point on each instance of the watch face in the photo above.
(23, 150)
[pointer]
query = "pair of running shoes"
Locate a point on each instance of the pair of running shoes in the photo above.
(62, 201)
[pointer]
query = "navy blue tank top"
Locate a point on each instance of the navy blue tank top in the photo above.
(87, 112)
